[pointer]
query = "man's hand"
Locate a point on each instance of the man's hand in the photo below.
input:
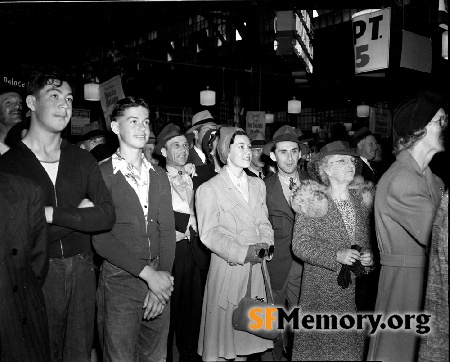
(153, 307)
(159, 282)
(85, 203)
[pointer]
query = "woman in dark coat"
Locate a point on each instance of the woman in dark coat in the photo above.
(330, 218)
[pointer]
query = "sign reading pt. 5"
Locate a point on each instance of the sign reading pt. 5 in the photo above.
(371, 35)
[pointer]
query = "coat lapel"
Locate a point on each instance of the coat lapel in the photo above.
(11, 209)
(234, 195)
(277, 197)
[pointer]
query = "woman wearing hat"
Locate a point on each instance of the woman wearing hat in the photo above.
(407, 198)
(233, 223)
(330, 219)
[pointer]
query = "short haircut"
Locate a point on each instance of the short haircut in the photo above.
(123, 104)
(408, 141)
(48, 76)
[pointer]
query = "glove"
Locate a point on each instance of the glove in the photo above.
(344, 278)
(252, 253)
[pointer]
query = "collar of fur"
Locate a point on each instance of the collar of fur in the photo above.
(311, 198)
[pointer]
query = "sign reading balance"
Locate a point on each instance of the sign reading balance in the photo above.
(371, 35)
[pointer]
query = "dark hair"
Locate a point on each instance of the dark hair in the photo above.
(237, 133)
(125, 103)
(49, 76)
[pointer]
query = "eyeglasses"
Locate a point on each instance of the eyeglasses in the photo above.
(341, 162)
(443, 121)
(266, 252)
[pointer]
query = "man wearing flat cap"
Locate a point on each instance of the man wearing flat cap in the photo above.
(256, 168)
(365, 144)
(93, 139)
(407, 198)
(10, 112)
(201, 123)
(285, 269)
(191, 262)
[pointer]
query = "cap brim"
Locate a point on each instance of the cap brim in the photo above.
(200, 124)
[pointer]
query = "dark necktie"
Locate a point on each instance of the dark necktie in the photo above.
(291, 183)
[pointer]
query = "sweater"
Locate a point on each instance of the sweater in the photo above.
(78, 177)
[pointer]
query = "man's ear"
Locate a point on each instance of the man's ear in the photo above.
(272, 157)
(195, 132)
(164, 152)
(115, 127)
(31, 102)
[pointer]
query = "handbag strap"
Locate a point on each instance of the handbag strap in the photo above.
(267, 282)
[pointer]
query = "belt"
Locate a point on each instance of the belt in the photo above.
(406, 261)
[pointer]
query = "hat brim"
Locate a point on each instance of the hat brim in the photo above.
(200, 124)
(344, 151)
(283, 138)
(92, 134)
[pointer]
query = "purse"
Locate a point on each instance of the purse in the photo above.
(241, 319)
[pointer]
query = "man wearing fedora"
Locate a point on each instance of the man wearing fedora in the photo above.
(256, 168)
(201, 123)
(135, 281)
(366, 146)
(93, 139)
(285, 269)
(149, 149)
(10, 112)
(191, 256)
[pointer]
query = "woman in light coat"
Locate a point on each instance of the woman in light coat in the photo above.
(233, 223)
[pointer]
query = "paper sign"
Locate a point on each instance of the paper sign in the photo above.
(371, 35)
(380, 121)
(80, 117)
(110, 92)
(255, 121)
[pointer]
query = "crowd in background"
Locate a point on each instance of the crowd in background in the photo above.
(145, 251)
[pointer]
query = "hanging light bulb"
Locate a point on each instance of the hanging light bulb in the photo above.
(362, 110)
(92, 91)
(207, 97)
(269, 117)
(445, 44)
(294, 106)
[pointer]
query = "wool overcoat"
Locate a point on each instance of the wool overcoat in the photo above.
(23, 268)
(227, 226)
(319, 233)
(406, 202)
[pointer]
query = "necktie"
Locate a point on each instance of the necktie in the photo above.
(291, 183)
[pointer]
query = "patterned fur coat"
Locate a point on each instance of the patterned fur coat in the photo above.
(320, 232)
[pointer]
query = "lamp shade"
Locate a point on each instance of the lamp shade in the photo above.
(207, 97)
(269, 118)
(445, 44)
(362, 110)
(294, 106)
(91, 92)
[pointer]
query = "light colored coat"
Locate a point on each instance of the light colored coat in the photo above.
(227, 225)
(406, 201)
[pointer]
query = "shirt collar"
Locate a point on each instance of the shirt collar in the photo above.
(121, 164)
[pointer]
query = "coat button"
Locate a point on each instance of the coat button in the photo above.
(14, 251)
(15, 289)
(24, 321)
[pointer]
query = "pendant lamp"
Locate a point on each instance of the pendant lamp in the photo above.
(294, 106)
(362, 110)
(92, 91)
(207, 97)
(269, 117)
(445, 44)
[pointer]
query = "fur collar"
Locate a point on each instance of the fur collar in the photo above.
(311, 198)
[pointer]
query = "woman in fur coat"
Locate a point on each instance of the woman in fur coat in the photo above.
(330, 218)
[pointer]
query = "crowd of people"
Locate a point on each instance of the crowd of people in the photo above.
(149, 248)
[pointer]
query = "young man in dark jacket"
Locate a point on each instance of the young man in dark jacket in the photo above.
(77, 203)
(135, 282)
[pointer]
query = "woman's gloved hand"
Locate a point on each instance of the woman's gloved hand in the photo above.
(253, 253)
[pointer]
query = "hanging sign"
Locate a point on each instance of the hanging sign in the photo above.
(255, 121)
(80, 117)
(380, 121)
(110, 92)
(371, 36)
